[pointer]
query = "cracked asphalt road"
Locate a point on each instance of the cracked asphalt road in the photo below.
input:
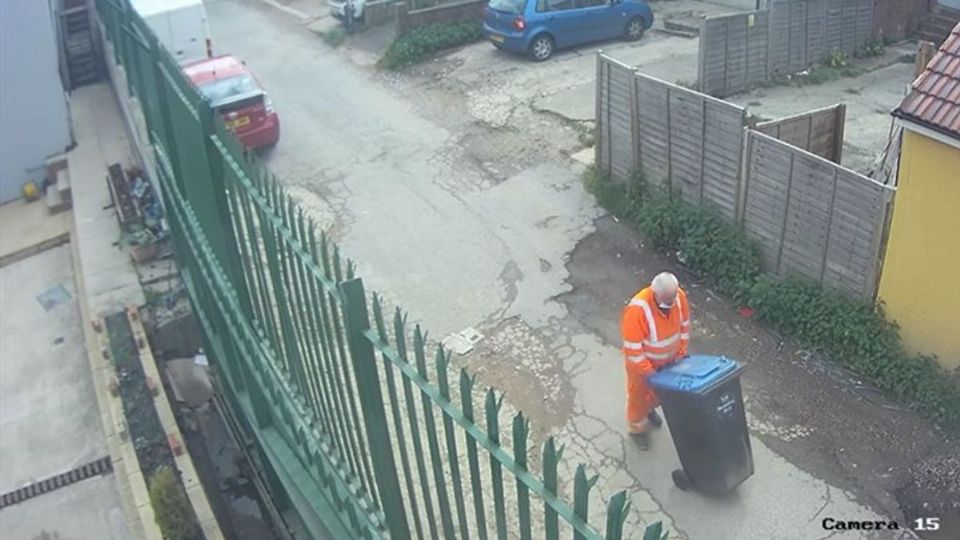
(459, 203)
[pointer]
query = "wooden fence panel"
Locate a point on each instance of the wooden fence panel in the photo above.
(810, 216)
(813, 218)
(615, 149)
(819, 132)
(733, 53)
(653, 125)
(742, 50)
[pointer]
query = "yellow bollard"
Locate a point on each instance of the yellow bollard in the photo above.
(30, 192)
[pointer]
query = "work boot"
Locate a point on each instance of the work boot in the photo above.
(641, 439)
(655, 419)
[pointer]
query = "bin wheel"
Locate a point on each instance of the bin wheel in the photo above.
(680, 479)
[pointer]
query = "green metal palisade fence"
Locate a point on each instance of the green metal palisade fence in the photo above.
(348, 422)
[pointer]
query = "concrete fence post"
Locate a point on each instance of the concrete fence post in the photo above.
(400, 16)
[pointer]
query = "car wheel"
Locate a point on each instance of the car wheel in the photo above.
(541, 47)
(634, 29)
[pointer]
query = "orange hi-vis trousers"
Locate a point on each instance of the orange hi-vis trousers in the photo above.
(652, 339)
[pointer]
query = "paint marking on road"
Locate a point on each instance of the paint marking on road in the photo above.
(296, 13)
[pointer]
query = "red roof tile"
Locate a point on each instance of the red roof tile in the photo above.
(934, 100)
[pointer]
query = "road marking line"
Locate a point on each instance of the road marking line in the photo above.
(296, 13)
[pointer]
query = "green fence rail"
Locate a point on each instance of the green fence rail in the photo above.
(353, 429)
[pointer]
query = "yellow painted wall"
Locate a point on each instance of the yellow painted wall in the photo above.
(920, 283)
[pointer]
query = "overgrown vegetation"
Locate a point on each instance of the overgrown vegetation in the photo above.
(850, 331)
(702, 239)
(415, 45)
(586, 137)
(334, 37)
(834, 66)
(907, 58)
(171, 507)
(872, 49)
(424, 4)
(835, 59)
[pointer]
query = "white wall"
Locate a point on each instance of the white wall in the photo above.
(34, 120)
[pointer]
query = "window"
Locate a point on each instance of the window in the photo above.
(554, 5)
(508, 6)
(592, 3)
(224, 90)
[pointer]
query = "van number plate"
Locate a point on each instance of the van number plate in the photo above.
(239, 122)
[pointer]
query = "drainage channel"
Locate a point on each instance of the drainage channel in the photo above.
(94, 468)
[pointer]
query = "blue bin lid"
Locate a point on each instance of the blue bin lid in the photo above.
(693, 374)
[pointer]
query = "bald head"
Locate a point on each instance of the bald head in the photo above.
(665, 287)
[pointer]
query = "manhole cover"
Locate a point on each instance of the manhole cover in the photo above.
(53, 297)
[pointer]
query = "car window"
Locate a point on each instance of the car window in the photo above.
(224, 90)
(509, 6)
(592, 3)
(554, 5)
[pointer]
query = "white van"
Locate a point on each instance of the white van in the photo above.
(180, 25)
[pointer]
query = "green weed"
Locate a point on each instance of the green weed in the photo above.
(171, 507)
(417, 44)
(852, 332)
(335, 37)
(872, 49)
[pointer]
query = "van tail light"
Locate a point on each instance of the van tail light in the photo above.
(519, 24)
(268, 106)
(209, 48)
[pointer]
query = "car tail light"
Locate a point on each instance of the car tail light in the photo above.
(519, 23)
(268, 106)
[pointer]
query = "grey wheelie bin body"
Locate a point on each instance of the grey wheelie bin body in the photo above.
(703, 404)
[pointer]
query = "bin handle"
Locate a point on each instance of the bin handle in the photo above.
(687, 380)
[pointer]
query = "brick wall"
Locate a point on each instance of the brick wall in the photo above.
(471, 10)
(380, 12)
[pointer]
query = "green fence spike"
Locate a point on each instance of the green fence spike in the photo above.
(551, 458)
(325, 255)
(521, 428)
(440, 480)
(581, 496)
(654, 531)
(617, 510)
(492, 406)
(271, 297)
(415, 428)
(378, 320)
(364, 364)
(401, 445)
(466, 402)
(442, 369)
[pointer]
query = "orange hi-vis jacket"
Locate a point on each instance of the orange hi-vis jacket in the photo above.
(651, 338)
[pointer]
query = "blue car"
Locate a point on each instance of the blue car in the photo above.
(539, 27)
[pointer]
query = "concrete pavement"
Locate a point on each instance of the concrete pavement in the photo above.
(496, 83)
(110, 277)
(49, 418)
(27, 228)
(459, 203)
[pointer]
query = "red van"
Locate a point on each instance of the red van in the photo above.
(237, 95)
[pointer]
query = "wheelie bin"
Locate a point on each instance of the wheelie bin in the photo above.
(703, 404)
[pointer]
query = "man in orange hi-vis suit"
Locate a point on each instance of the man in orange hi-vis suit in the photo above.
(656, 333)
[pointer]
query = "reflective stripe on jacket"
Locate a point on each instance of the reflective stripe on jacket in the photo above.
(650, 337)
